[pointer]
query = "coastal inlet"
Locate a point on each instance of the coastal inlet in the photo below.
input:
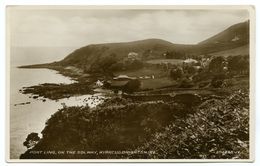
(29, 112)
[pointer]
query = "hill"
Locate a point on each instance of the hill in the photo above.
(92, 53)
(243, 50)
(235, 36)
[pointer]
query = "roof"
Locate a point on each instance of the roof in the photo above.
(132, 53)
(118, 83)
(123, 77)
(190, 61)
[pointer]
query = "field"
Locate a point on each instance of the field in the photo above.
(171, 61)
(243, 50)
(160, 80)
(142, 72)
(157, 83)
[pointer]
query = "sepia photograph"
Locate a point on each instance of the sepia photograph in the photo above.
(130, 83)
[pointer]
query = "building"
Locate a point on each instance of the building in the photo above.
(123, 78)
(99, 83)
(133, 56)
(115, 84)
(190, 61)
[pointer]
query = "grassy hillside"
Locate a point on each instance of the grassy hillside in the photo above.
(243, 50)
(241, 30)
(233, 37)
(92, 53)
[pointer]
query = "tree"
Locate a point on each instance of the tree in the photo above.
(103, 64)
(107, 61)
(132, 85)
(186, 83)
(176, 73)
(190, 69)
(216, 64)
(136, 64)
(218, 80)
(31, 140)
(146, 54)
(174, 55)
(119, 66)
(238, 63)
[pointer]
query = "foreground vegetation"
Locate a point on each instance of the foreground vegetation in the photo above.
(120, 128)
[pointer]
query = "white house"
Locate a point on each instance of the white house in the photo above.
(133, 55)
(190, 61)
(99, 83)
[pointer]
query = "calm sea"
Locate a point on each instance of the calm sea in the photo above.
(28, 118)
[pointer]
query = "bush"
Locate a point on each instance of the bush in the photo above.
(218, 130)
(216, 64)
(186, 83)
(132, 86)
(218, 80)
(176, 73)
(112, 126)
(31, 140)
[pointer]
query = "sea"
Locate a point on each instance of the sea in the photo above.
(26, 114)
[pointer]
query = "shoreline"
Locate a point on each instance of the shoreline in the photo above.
(143, 114)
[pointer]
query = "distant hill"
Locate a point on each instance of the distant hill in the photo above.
(92, 53)
(236, 34)
(231, 38)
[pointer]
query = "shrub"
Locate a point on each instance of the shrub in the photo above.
(218, 130)
(132, 86)
(186, 83)
(218, 80)
(31, 140)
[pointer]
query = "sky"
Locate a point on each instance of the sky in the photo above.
(80, 27)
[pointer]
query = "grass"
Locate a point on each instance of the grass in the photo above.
(243, 50)
(157, 83)
(171, 61)
(143, 72)
(161, 78)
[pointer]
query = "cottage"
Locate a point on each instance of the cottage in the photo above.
(123, 78)
(205, 62)
(99, 83)
(133, 56)
(235, 39)
(190, 61)
(118, 84)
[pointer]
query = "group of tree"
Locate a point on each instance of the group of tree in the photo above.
(132, 86)
(175, 54)
(112, 63)
(238, 64)
(216, 65)
(176, 73)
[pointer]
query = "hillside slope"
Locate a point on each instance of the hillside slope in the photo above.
(93, 53)
(231, 38)
(243, 50)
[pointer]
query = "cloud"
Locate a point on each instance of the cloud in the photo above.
(76, 28)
